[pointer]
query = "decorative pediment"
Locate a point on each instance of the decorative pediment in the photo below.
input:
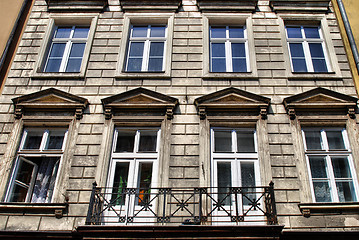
(230, 5)
(76, 5)
(50, 100)
(300, 5)
(150, 5)
(139, 99)
(232, 99)
(320, 99)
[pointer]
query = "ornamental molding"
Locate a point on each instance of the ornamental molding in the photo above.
(230, 5)
(76, 5)
(150, 5)
(300, 5)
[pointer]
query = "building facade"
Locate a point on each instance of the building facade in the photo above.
(179, 119)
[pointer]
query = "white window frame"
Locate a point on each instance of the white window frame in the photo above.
(146, 49)
(305, 44)
(228, 47)
(41, 152)
(325, 152)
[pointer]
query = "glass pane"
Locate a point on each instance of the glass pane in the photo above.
(53, 65)
(155, 65)
(33, 140)
(134, 65)
(125, 140)
(224, 178)
(144, 182)
(45, 179)
(223, 141)
(238, 50)
(218, 50)
(239, 65)
(148, 141)
(313, 139)
(158, 32)
(322, 191)
(311, 32)
(136, 49)
(299, 65)
(296, 50)
(248, 180)
(120, 183)
(341, 167)
(63, 32)
(55, 140)
(316, 50)
(19, 193)
(245, 142)
(77, 50)
(294, 32)
(156, 49)
(74, 65)
(24, 172)
(236, 32)
(218, 65)
(81, 32)
(218, 32)
(139, 32)
(318, 167)
(335, 140)
(57, 50)
(346, 191)
(320, 65)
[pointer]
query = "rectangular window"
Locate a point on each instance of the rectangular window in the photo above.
(67, 49)
(34, 175)
(330, 164)
(307, 49)
(146, 48)
(228, 49)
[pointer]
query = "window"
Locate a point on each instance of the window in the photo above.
(146, 49)
(228, 49)
(330, 164)
(307, 49)
(235, 161)
(67, 49)
(36, 167)
(134, 163)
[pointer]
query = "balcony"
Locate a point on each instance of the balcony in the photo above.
(232, 206)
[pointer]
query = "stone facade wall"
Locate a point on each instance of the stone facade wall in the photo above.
(186, 84)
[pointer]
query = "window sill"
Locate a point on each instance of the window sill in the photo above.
(141, 75)
(232, 75)
(59, 75)
(308, 209)
(55, 209)
(314, 76)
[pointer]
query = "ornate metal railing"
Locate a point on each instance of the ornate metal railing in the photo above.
(168, 206)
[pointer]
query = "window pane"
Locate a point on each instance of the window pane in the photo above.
(313, 140)
(335, 140)
(125, 141)
(158, 32)
(77, 50)
(296, 50)
(136, 49)
(63, 32)
(316, 50)
(239, 65)
(148, 141)
(236, 32)
(74, 65)
(311, 32)
(57, 50)
(120, 183)
(320, 65)
(318, 167)
(238, 50)
(81, 32)
(55, 140)
(294, 32)
(33, 140)
(224, 178)
(218, 32)
(245, 142)
(156, 49)
(139, 32)
(346, 191)
(144, 182)
(155, 64)
(134, 65)
(218, 50)
(223, 141)
(341, 167)
(248, 180)
(218, 65)
(299, 65)
(322, 191)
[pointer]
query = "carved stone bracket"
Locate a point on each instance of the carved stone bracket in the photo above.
(263, 112)
(306, 212)
(169, 113)
(202, 113)
(291, 113)
(351, 112)
(59, 213)
(79, 113)
(18, 112)
(108, 113)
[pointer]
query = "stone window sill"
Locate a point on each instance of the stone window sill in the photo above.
(55, 209)
(314, 76)
(142, 75)
(226, 75)
(62, 75)
(308, 209)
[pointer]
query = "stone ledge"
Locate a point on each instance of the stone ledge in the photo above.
(230, 5)
(150, 5)
(300, 5)
(77, 5)
(58, 209)
(308, 209)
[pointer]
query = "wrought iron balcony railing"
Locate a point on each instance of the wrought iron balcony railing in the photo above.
(170, 206)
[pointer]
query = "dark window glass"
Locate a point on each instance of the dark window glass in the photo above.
(125, 141)
(224, 175)
(223, 141)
